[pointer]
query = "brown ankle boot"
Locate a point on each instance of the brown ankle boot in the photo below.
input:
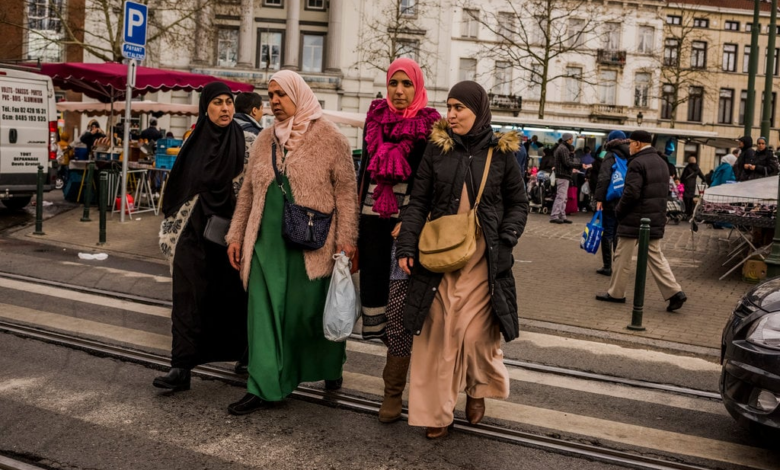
(475, 409)
(436, 433)
(394, 376)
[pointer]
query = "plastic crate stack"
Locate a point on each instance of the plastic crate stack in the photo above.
(161, 157)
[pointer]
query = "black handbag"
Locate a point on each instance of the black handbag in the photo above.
(216, 230)
(302, 228)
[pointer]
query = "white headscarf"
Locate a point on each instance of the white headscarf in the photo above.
(730, 159)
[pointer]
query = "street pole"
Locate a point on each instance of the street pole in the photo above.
(766, 115)
(641, 276)
(773, 260)
(131, 65)
(750, 108)
(39, 203)
(103, 206)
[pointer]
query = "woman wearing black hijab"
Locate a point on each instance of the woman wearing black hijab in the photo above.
(209, 302)
(458, 317)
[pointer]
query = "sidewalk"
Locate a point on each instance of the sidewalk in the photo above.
(556, 280)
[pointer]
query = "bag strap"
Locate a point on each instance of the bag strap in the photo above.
(278, 177)
(484, 176)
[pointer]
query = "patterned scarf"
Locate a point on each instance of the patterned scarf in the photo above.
(390, 138)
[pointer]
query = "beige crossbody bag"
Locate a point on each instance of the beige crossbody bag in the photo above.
(448, 243)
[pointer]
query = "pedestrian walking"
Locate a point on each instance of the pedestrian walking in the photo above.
(287, 285)
(616, 148)
(689, 179)
(209, 305)
(565, 166)
(458, 317)
(249, 112)
(644, 196)
(397, 131)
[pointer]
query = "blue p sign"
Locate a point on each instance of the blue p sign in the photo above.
(135, 23)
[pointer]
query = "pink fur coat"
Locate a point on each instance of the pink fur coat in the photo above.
(321, 176)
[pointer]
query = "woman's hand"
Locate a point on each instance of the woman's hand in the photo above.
(406, 265)
(234, 255)
(396, 231)
(349, 250)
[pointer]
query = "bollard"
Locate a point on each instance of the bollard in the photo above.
(641, 276)
(103, 206)
(88, 192)
(39, 204)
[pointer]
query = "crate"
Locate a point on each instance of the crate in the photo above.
(165, 144)
(164, 161)
(80, 153)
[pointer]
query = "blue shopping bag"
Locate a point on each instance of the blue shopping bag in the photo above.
(591, 237)
(618, 180)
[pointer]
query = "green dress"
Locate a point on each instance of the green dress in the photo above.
(286, 341)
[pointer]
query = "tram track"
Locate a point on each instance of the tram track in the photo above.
(512, 363)
(344, 400)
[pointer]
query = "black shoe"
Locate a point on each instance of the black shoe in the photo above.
(556, 221)
(177, 380)
(605, 297)
(605, 271)
(333, 385)
(248, 404)
(566, 221)
(240, 368)
(676, 301)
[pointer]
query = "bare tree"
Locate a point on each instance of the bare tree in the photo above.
(532, 35)
(170, 21)
(397, 28)
(685, 67)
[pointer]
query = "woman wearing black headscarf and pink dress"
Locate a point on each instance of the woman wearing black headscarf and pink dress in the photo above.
(458, 317)
(397, 130)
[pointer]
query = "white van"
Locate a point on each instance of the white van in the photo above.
(28, 134)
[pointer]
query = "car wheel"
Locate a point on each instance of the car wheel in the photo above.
(17, 203)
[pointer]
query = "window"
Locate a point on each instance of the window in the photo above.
(227, 47)
(507, 23)
(641, 89)
(269, 50)
(766, 61)
(771, 112)
(575, 33)
(742, 107)
(538, 34)
(503, 79)
(749, 27)
(573, 89)
(746, 60)
(468, 69)
(315, 4)
(698, 54)
(611, 38)
(44, 30)
(674, 19)
(273, 3)
(408, 7)
(701, 23)
(671, 52)
(409, 48)
(646, 40)
(607, 86)
(725, 106)
(469, 26)
(667, 102)
(729, 57)
(43, 15)
(535, 82)
(695, 102)
(313, 46)
(732, 25)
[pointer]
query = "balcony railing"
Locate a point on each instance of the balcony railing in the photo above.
(608, 112)
(608, 57)
(510, 103)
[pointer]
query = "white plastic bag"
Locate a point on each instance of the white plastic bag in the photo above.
(342, 307)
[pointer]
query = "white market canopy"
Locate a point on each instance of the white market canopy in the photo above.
(764, 188)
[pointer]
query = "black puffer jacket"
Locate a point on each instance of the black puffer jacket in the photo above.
(619, 147)
(764, 160)
(502, 214)
(746, 155)
(565, 161)
(644, 196)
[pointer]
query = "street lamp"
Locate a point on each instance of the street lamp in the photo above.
(639, 118)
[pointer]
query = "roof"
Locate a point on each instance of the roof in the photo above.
(728, 4)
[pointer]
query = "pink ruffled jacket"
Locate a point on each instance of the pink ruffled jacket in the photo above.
(322, 177)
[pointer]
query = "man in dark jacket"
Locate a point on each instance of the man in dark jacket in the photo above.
(644, 196)
(249, 111)
(152, 133)
(565, 165)
(616, 147)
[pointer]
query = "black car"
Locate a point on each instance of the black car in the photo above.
(750, 355)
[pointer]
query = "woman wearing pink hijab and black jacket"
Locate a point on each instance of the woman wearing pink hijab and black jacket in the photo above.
(396, 133)
(288, 285)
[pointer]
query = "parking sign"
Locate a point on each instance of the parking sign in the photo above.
(135, 23)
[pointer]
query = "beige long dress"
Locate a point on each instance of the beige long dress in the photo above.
(459, 347)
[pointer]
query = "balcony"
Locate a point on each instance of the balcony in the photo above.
(511, 103)
(608, 113)
(609, 57)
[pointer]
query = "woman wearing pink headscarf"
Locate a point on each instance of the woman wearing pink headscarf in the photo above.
(396, 133)
(288, 286)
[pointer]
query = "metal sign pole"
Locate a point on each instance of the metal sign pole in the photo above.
(131, 65)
